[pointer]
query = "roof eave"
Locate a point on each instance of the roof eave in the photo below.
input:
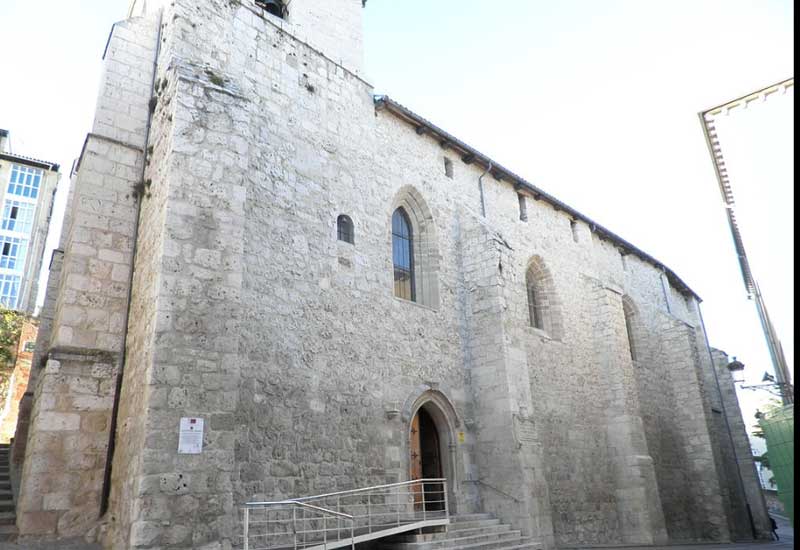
(500, 173)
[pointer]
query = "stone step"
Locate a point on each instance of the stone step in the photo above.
(518, 544)
(478, 539)
(454, 533)
(8, 533)
(8, 518)
(458, 525)
(6, 505)
(470, 517)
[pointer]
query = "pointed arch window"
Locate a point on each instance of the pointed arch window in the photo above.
(403, 255)
(544, 307)
(344, 229)
(535, 305)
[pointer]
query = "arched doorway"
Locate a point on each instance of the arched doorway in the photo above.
(426, 461)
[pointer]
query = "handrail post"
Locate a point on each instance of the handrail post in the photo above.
(294, 525)
(325, 531)
(246, 527)
(446, 501)
(353, 534)
(424, 504)
(338, 519)
(369, 513)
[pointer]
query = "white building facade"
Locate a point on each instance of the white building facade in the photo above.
(28, 188)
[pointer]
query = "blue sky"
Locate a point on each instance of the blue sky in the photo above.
(594, 101)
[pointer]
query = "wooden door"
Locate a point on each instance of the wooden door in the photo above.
(415, 455)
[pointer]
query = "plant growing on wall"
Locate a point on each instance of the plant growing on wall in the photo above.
(10, 329)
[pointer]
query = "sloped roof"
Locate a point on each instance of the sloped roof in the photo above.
(500, 173)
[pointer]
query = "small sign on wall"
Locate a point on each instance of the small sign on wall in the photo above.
(461, 437)
(190, 440)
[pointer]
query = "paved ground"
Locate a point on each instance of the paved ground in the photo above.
(785, 532)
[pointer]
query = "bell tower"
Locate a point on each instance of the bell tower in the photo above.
(334, 27)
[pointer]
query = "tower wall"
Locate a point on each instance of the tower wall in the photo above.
(68, 433)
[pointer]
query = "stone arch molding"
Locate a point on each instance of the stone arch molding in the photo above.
(548, 306)
(431, 393)
(426, 248)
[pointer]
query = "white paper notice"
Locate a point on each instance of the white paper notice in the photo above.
(190, 441)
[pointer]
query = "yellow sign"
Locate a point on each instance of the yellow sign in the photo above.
(461, 437)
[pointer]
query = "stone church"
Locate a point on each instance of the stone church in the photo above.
(254, 239)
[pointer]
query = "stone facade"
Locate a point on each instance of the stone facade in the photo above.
(201, 265)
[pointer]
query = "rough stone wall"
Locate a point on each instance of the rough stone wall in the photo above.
(508, 443)
(270, 143)
(246, 311)
(71, 414)
(63, 472)
(688, 478)
(43, 336)
(736, 454)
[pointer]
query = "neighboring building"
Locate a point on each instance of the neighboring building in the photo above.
(18, 380)
(27, 189)
(256, 240)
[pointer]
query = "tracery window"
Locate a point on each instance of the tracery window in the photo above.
(403, 256)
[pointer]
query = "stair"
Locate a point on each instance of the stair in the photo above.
(465, 532)
(8, 518)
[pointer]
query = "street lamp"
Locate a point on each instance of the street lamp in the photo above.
(771, 385)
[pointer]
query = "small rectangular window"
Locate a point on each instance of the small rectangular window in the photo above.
(448, 167)
(523, 207)
(573, 224)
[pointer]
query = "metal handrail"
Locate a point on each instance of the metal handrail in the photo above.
(344, 518)
(352, 491)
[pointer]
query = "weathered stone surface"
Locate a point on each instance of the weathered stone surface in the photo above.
(592, 428)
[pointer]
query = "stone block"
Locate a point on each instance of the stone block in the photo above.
(38, 523)
(56, 501)
(57, 421)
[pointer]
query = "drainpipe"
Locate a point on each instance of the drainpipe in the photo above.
(112, 435)
(480, 188)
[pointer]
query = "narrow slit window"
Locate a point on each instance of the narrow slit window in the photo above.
(629, 312)
(448, 167)
(523, 207)
(274, 7)
(345, 230)
(573, 225)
